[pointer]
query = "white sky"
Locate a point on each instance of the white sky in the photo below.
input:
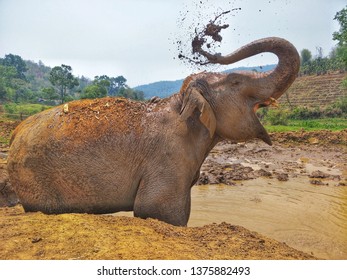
(135, 38)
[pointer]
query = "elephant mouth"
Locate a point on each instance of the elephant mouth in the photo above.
(268, 102)
(260, 131)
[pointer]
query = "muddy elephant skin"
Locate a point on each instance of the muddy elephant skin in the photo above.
(108, 155)
(8, 196)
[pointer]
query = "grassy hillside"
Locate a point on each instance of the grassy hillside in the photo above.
(316, 90)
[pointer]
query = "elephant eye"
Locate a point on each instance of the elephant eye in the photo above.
(234, 83)
(233, 80)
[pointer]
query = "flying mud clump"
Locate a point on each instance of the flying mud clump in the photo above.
(207, 37)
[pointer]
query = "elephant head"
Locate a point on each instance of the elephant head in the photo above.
(228, 102)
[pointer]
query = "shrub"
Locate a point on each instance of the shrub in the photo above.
(303, 113)
(340, 106)
(277, 116)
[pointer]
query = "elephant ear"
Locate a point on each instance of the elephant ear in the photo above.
(193, 99)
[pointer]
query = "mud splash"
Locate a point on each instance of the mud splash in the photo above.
(201, 34)
(208, 37)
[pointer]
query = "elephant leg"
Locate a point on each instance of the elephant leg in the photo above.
(167, 202)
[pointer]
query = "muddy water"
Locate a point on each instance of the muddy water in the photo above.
(310, 218)
(307, 217)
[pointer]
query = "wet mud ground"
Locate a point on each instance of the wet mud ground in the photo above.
(294, 191)
(287, 158)
(84, 236)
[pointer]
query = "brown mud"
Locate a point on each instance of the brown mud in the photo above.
(85, 236)
(228, 163)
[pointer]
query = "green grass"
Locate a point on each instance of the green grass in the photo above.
(4, 140)
(334, 124)
(15, 111)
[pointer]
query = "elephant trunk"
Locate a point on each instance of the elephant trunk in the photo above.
(271, 84)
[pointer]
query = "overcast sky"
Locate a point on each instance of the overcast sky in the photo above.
(135, 38)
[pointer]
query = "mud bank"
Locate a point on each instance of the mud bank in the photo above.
(85, 236)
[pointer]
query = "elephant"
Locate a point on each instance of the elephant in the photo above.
(8, 196)
(112, 154)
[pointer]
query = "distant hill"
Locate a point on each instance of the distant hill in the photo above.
(161, 89)
(166, 88)
(37, 75)
(264, 68)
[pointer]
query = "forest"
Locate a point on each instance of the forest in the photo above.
(34, 86)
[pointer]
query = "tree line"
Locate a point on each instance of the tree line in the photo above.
(29, 82)
(336, 60)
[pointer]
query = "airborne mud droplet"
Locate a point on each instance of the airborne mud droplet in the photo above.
(202, 34)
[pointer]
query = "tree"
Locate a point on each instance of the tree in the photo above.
(321, 63)
(83, 83)
(342, 55)
(17, 62)
(49, 93)
(94, 91)
(337, 60)
(7, 76)
(116, 84)
(103, 82)
(13, 88)
(98, 89)
(319, 52)
(305, 56)
(341, 35)
(306, 62)
(62, 77)
(131, 93)
(21, 91)
(104, 85)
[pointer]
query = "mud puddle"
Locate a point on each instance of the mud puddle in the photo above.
(309, 218)
(312, 219)
(294, 194)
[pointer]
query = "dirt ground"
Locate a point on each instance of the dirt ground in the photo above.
(85, 236)
(279, 161)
